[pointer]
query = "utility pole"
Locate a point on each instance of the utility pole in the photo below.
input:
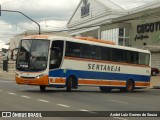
(25, 16)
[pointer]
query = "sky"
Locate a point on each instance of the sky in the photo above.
(50, 14)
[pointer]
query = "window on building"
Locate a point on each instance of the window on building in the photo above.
(119, 36)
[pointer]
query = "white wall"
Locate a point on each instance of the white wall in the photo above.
(96, 10)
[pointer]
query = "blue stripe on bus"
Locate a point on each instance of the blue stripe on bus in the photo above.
(98, 75)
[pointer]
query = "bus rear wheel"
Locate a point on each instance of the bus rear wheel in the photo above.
(130, 86)
(42, 88)
(105, 89)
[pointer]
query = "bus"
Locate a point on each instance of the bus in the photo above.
(62, 62)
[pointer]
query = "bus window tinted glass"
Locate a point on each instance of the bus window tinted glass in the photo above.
(118, 55)
(132, 57)
(84, 51)
(105, 53)
(72, 49)
(144, 58)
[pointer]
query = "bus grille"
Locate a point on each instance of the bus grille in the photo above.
(28, 77)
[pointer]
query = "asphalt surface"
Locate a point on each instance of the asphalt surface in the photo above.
(15, 97)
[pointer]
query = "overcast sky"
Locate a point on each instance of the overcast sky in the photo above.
(51, 14)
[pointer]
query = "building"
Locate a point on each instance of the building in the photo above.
(129, 23)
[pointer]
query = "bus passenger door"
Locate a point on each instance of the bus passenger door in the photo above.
(56, 54)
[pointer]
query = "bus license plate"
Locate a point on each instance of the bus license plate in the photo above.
(27, 82)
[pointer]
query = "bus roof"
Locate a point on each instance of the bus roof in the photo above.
(86, 40)
(37, 37)
(95, 40)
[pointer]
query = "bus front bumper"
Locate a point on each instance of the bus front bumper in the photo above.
(32, 81)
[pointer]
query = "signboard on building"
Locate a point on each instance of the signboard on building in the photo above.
(85, 9)
(144, 29)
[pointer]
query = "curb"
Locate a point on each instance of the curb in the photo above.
(156, 87)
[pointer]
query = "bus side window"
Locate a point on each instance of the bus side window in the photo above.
(143, 59)
(72, 49)
(132, 57)
(116, 55)
(106, 53)
(85, 51)
(92, 52)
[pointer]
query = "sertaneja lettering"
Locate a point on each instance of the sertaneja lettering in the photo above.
(100, 67)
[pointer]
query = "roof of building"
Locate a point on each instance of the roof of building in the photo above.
(118, 8)
(127, 5)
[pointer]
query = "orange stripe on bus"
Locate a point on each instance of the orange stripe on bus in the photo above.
(80, 82)
(92, 82)
(95, 40)
(142, 84)
(60, 80)
(102, 82)
(102, 61)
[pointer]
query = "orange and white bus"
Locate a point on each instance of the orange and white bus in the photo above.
(53, 61)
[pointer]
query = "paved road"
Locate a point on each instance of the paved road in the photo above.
(15, 97)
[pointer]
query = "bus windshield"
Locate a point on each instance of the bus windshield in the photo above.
(32, 55)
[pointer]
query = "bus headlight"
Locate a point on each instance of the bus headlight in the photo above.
(41, 75)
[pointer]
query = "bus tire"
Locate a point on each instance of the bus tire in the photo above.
(69, 84)
(130, 86)
(42, 88)
(105, 89)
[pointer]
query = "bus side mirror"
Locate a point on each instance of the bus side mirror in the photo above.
(14, 54)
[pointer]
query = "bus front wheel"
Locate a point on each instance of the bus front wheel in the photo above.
(69, 84)
(42, 88)
(130, 86)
